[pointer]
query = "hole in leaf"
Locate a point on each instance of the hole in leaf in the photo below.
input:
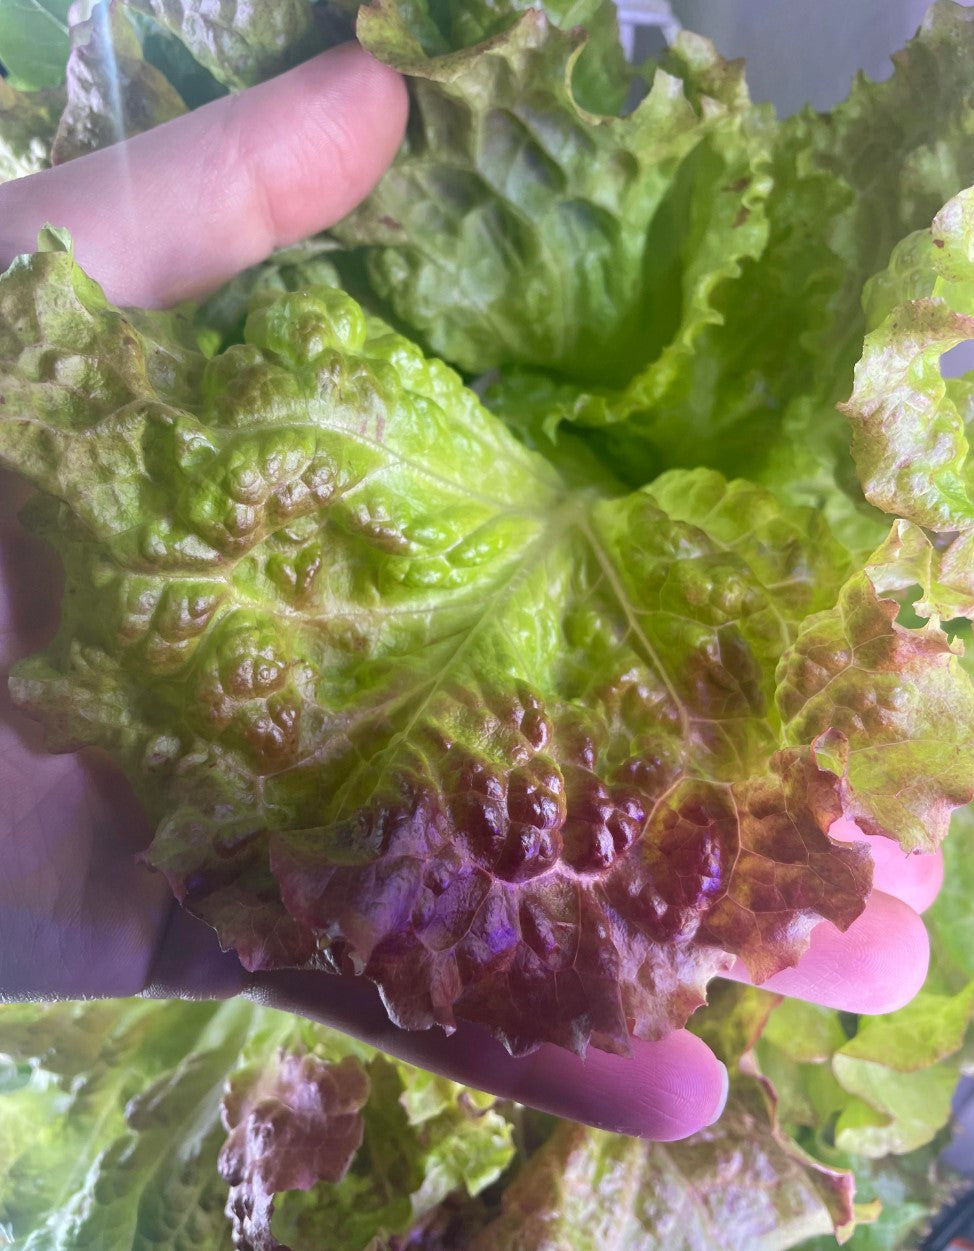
(958, 361)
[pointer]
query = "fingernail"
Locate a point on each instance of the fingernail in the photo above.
(722, 1100)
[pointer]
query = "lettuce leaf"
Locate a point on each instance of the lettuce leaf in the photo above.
(601, 76)
(910, 1187)
(764, 237)
(656, 206)
(293, 1124)
(401, 703)
(28, 120)
(122, 1117)
(533, 731)
(34, 41)
(127, 1150)
(239, 43)
(136, 1123)
(769, 1196)
(112, 91)
(910, 423)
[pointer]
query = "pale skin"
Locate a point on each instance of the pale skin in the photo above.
(171, 214)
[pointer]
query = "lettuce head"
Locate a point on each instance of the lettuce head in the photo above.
(502, 598)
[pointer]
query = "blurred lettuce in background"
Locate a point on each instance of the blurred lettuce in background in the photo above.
(637, 293)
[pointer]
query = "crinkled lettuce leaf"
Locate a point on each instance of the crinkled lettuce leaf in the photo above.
(112, 90)
(239, 43)
(512, 175)
(137, 1124)
(122, 1146)
(601, 77)
(28, 121)
(220, 319)
(402, 703)
(745, 274)
(430, 1148)
(411, 698)
(909, 422)
(141, 1124)
(585, 1189)
(290, 1124)
(757, 395)
(873, 1094)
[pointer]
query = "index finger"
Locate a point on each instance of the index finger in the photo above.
(176, 211)
(664, 1090)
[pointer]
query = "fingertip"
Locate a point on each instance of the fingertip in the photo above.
(913, 877)
(878, 965)
(893, 948)
(215, 190)
(281, 161)
(321, 137)
(368, 74)
(663, 1091)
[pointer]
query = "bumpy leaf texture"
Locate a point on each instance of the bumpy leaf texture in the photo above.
(403, 704)
(509, 171)
(769, 1196)
(910, 423)
(296, 1123)
(712, 312)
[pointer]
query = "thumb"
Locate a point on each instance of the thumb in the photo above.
(176, 211)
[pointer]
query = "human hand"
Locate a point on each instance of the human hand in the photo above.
(171, 214)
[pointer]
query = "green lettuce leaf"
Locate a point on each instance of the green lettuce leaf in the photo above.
(127, 1154)
(112, 91)
(758, 395)
(239, 43)
(929, 1029)
(600, 78)
(220, 319)
(585, 1189)
(736, 270)
(950, 922)
(161, 48)
(34, 41)
(28, 120)
(401, 703)
(910, 1187)
(893, 1112)
(644, 205)
(910, 423)
(124, 1115)
(734, 1017)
